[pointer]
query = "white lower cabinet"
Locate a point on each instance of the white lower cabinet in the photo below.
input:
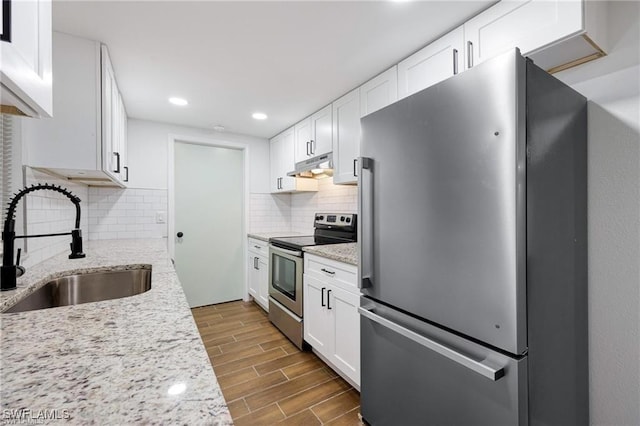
(258, 272)
(331, 319)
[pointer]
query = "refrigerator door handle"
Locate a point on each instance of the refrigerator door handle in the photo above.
(477, 366)
(365, 221)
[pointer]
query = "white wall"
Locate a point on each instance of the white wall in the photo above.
(116, 213)
(148, 153)
(612, 84)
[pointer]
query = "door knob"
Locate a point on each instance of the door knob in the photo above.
(179, 234)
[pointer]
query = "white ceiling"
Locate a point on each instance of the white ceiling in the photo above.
(230, 59)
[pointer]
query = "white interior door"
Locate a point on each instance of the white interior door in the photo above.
(209, 256)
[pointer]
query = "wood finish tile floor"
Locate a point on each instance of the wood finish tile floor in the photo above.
(265, 379)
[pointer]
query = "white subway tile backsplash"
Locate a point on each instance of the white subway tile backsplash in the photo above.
(126, 213)
(295, 212)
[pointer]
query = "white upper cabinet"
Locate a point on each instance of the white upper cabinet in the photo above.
(302, 140)
(434, 63)
(25, 67)
(346, 137)
(557, 34)
(313, 135)
(379, 92)
(282, 162)
(86, 140)
(321, 132)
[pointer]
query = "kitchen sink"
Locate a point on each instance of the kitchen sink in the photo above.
(85, 288)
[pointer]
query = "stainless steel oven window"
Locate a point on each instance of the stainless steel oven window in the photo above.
(284, 275)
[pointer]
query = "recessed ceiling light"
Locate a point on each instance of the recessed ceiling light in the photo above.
(219, 128)
(178, 101)
(259, 116)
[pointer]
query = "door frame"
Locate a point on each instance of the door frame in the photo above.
(171, 213)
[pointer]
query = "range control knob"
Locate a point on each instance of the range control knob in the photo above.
(348, 219)
(318, 218)
(341, 218)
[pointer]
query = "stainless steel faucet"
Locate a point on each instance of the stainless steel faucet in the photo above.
(10, 271)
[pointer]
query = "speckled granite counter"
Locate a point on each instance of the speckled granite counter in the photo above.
(264, 236)
(110, 362)
(346, 252)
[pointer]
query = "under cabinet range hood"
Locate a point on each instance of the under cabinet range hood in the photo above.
(315, 168)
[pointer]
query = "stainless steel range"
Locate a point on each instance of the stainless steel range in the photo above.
(286, 269)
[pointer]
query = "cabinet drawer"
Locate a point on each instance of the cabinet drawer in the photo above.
(258, 247)
(340, 274)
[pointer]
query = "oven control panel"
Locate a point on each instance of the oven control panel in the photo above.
(346, 220)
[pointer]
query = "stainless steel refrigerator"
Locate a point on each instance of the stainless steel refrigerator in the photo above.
(473, 252)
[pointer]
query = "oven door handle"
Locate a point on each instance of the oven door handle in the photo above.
(290, 252)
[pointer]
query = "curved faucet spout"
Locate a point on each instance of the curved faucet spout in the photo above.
(9, 269)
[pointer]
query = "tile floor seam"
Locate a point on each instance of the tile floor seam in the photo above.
(281, 410)
(306, 390)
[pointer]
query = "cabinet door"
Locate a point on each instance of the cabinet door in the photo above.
(287, 160)
(321, 132)
(379, 92)
(109, 101)
(318, 320)
(263, 282)
(346, 137)
(436, 62)
(274, 166)
(345, 348)
(72, 139)
(302, 137)
(123, 146)
(526, 24)
(25, 68)
(252, 276)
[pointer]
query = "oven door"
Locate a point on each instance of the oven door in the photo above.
(285, 278)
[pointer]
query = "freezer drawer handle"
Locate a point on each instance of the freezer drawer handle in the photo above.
(478, 367)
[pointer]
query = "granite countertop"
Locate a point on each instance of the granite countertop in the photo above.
(264, 236)
(109, 362)
(345, 252)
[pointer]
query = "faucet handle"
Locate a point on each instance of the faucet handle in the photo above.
(20, 270)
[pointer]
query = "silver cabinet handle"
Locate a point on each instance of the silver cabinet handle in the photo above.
(308, 154)
(312, 143)
(455, 61)
(322, 296)
(365, 222)
(329, 299)
(255, 263)
(258, 247)
(469, 54)
(328, 271)
(355, 167)
(455, 356)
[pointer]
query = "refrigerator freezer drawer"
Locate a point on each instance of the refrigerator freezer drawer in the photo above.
(415, 374)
